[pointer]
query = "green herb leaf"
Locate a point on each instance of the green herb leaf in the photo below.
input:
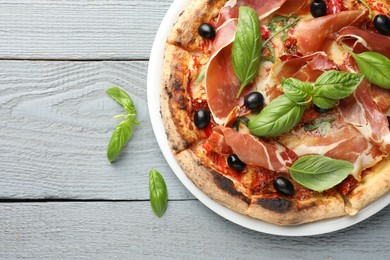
(273, 24)
(158, 193)
(375, 67)
(318, 172)
(246, 50)
(280, 116)
(296, 90)
(333, 85)
(202, 74)
(123, 131)
(368, 7)
(293, 21)
(122, 98)
(119, 139)
(324, 103)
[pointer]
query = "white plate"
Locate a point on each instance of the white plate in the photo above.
(153, 90)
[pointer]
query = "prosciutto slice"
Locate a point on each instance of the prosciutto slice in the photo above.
(222, 84)
(305, 68)
(295, 7)
(363, 113)
(362, 40)
(338, 141)
(257, 152)
(312, 33)
(262, 7)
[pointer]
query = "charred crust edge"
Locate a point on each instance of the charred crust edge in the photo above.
(279, 205)
(228, 186)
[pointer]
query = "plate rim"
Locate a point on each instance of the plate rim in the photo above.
(155, 69)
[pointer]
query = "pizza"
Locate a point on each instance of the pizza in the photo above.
(278, 109)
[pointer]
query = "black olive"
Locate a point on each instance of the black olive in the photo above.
(283, 186)
(202, 119)
(236, 124)
(321, 110)
(254, 101)
(206, 30)
(382, 24)
(388, 120)
(235, 163)
(318, 8)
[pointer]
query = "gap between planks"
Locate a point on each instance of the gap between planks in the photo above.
(80, 200)
(69, 59)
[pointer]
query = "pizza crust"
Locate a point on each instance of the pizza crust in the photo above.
(185, 31)
(283, 211)
(175, 100)
(232, 194)
(373, 185)
(218, 187)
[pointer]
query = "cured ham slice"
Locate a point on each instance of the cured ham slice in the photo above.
(222, 85)
(305, 68)
(262, 7)
(312, 33)
(295, 7)
(257, 152)
(362, 40)
(381, 97)
(363, 113)
(337, 140)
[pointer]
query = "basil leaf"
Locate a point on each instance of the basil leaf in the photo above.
(158, 193)
(335, 84)
(324, 103)
(296, 90)
(122, 98)
(375, 67)
(280, 116)
(119, 139)
(318, 172)
(246, 48)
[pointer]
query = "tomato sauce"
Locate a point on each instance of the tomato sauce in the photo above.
(347, 185)
(220, 162)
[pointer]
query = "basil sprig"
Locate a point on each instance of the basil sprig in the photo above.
(123, 131)
(280, 116)
(318, 172)
(246, 48)
(158, 193)
(333, 85)
(374, 66)
(296, 90)
(284, 112)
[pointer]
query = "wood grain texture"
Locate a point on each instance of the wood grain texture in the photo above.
(55, 124)
(188, 230)
(96, 29)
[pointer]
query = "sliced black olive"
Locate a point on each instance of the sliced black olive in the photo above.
(201, 118)
(382, 24)
(254, 101)
(206, 30)
(236, 124)
(235, 163)
(283, 186)
(388, 120)
(318, 8)
(321, 110)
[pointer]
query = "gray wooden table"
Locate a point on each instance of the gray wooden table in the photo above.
(60, 198)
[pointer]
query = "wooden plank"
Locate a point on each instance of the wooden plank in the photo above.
(188, 230)
(55, 123)
(98, 29)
